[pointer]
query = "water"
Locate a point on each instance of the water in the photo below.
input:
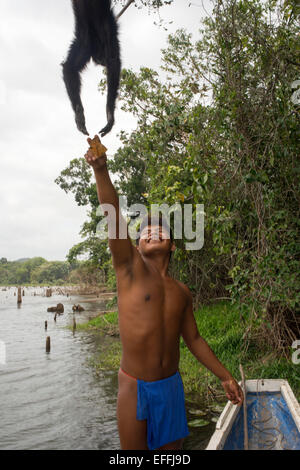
(52, 401)
(56, 401)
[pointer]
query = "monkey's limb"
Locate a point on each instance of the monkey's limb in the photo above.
(113, 80)
(80, 120)
(76, 61)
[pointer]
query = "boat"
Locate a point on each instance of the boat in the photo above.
(272, 419)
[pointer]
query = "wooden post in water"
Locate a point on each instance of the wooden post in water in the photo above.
(46, 325)
(48, 292)
(74, 324)
(48, 344)
(19, 295)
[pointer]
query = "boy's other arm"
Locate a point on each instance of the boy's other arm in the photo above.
(122, 249)
(204, 354)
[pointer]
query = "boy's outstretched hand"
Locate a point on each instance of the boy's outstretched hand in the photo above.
(233, 391)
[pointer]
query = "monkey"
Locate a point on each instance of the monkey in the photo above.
(96, 38)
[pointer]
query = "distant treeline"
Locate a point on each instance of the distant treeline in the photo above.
(40, 271)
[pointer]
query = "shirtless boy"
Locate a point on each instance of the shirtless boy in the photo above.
(154, 311)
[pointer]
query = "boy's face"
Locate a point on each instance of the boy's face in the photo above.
(154, 239)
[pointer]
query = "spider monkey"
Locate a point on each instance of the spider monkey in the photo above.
(96, 37)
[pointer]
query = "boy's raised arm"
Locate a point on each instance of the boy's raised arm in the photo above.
(121, 248)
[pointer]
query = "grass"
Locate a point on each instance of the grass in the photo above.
(107, 323)
(221, 327)
(109, 353)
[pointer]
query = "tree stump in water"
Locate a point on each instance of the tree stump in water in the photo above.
(51, 309)
(48, 292)
(77, 308)
(60, 308)
(19, 295)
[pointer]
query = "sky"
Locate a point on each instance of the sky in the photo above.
(38, 136)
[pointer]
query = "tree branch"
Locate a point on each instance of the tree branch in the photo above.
(124, 8)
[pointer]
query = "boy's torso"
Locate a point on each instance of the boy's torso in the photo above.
(151, 313)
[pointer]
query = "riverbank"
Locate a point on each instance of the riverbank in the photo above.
(221, 327)
(68, 289)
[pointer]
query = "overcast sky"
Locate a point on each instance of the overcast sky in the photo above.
(38, 136)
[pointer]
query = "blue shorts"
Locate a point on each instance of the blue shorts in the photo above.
(161, 403)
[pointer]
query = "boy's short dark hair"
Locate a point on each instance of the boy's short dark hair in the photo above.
(154, 220)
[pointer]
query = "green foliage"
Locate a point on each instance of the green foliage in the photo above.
(37, 271)
(145, 3)
(18, 272)
(101, 322)
(85, 274)
(51, 272)
(34, 271)
(76, 178)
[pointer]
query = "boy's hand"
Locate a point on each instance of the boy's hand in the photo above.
(95, 157)
(233, 391)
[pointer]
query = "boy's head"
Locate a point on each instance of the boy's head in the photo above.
(155, 236)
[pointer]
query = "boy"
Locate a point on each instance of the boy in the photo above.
(154, 311)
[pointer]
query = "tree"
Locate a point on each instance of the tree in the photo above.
(50, 272)
(154, 4)
(21, 275)
(76, 178)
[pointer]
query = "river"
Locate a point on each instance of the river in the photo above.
(55, 400)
